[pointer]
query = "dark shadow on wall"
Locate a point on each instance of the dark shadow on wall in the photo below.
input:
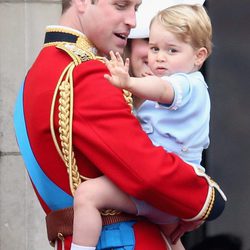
(227, 73)
(219, 242)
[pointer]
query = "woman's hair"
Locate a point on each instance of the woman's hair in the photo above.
(127, 53)
(190, 23)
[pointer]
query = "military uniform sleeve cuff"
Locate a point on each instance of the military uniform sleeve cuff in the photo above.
(215, 201)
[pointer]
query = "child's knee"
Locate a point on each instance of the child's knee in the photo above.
(85, 194)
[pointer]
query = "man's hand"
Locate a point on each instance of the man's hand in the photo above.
(118, 70)
(183, 227)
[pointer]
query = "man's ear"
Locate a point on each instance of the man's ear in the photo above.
(201, 56)
(80, 5)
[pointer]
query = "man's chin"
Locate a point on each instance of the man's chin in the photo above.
(114, 49)
(119, 49)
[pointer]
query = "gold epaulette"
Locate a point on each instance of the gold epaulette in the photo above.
(79, 51)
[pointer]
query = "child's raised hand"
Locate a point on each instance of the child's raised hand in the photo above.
(118, 69)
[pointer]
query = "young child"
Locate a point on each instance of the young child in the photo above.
(174, 112)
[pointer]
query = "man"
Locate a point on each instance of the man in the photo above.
(71, 124)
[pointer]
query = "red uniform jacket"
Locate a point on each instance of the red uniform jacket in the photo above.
(108, 139)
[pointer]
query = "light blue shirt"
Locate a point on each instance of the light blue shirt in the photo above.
(182, 127)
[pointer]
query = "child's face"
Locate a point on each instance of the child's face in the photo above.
(168, 54)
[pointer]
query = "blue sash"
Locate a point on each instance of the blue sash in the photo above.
(52, 195)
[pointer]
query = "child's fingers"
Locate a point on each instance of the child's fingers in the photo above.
(108, 77)
(109, 66)
(107, 62)
(119, 58)
(112, 56)
(126, 64)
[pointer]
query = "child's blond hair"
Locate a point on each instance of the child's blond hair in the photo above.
(190, 23)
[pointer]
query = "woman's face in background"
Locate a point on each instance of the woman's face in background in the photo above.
(139, 58)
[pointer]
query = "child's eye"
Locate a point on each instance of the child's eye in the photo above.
(172, 51)
(154, 49)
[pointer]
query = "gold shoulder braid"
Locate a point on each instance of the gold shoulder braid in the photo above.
(79, 53)
(65, 89)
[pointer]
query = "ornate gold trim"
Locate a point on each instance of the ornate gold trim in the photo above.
(210, 206)
(65, 89)
(128, 98)
(62, 29)
(55, 44)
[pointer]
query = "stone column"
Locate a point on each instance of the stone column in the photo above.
(22, 25)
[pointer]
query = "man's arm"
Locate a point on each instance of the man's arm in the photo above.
(107, 134)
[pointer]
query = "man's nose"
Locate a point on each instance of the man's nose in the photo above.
(130, 18)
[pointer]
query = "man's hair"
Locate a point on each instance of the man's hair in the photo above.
(190, 23)
(67, 3)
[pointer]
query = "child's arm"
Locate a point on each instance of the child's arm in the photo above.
(150, 87)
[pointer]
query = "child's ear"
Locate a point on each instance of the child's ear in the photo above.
(201, 56)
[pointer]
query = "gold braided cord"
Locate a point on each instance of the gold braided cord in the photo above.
(128, 98)
(107, 212)
(65, 128)
(65, 88)
(211, 204)
(52, 129)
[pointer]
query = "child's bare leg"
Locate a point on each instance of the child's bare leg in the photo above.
(90, 197)
(167, 229)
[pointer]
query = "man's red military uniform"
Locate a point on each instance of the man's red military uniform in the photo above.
(66, 83)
